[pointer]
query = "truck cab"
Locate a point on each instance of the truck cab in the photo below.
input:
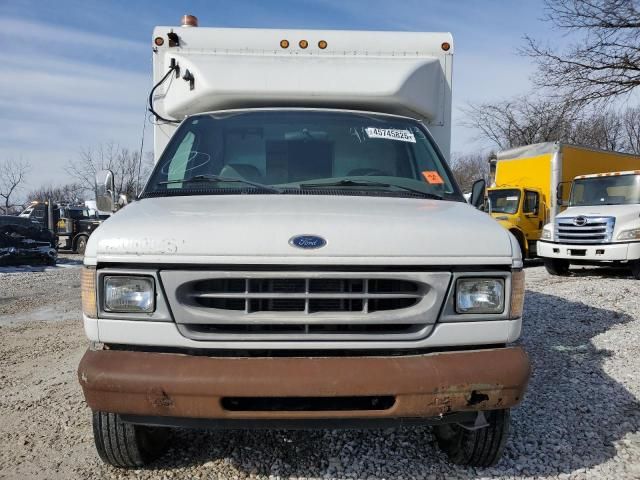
(530, 184)
(601, 225)
(522, 211)
(72, 225)
(301, 255)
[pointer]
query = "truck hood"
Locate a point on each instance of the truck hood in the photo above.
(256, 229)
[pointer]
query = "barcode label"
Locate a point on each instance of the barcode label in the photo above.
(390, 134)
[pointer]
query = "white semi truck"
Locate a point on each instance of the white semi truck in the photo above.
(301, 255)
(601, 226)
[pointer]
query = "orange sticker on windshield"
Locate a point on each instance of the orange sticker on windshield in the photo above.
(432, 177)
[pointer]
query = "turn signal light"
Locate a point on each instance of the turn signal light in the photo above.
(88, 289)
(517, 294)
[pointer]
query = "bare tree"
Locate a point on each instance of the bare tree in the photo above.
(69, 193)
(599, 129)
(631, 130)
(469, 168)
(521, 121)
(12, 176)
(603, 62)
(123, 162)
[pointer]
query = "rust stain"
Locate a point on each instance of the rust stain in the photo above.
(182, 385)
(159, 398)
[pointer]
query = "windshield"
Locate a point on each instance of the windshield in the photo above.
(504, 201)
(78, 213)
(610, 190)
(289, 151)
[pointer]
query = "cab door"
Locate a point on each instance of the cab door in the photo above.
(532, 217)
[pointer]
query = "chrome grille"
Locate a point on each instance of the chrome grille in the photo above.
(306, 295)
(584, 230)
(304, 305)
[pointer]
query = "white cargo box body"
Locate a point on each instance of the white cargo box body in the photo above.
(401, 73)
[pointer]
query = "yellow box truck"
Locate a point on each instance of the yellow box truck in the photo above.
(532, 184)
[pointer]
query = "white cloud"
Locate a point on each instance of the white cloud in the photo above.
(59, 99)
(19, 32)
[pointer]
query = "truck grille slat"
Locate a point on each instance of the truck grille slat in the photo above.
(298, 305)
(306, 295)
(584, 230)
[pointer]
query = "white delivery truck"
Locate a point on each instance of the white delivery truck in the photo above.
(601, 226)
(301, 255)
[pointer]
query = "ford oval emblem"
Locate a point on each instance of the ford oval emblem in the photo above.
(307, 241)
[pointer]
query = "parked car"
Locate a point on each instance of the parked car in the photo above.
(23, 241)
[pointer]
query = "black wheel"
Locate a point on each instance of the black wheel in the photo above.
(635, 269)
(475, 448)
(125, 445)
(556, 266)
(81, 244)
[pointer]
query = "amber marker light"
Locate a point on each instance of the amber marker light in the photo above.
(303, 44)
(517, 294)
(446, 46)
(159, 41)
(88, 289)
(322, 44)
(284, 43)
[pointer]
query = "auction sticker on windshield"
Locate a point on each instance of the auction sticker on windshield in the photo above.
(432, 177)
(390, 134)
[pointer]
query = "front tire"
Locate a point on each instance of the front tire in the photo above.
(81, 244)
(126, 445)
(635, 269)
(475, 448)
(557, 266)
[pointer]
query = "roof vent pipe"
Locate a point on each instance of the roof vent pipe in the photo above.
(189, 21)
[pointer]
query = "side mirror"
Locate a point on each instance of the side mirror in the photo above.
(559, 194)
(105, 191)
(477, 193)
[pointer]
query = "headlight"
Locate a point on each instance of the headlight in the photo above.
(128, 294)
(633, 234)
(546, 233)
(480, 295)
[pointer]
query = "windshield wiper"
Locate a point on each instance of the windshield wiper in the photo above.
(219, 179)
(365, 183)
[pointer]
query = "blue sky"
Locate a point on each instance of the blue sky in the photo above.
(77, 73)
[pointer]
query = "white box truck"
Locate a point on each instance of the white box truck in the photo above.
(301, 255)
(600, 227)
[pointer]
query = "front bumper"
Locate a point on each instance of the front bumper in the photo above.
(199, 387)
(611, 252)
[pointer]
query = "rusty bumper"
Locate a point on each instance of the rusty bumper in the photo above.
(200, 387)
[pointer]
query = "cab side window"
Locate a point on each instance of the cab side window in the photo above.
(531, 202)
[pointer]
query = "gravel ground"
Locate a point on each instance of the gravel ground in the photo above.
(579, 420)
